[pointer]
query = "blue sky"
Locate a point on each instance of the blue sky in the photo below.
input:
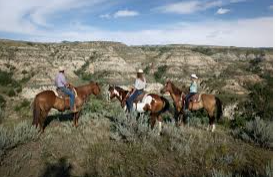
(138, 22)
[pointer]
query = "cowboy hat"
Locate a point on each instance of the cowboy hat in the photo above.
(140, 71)
(194, 76)
(61, 68)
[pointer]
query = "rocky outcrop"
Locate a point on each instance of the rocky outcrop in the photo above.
(117, 63)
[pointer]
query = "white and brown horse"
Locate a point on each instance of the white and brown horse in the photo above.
(208, 102)
(152, 103)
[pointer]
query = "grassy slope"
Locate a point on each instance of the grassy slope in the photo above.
(98, 148)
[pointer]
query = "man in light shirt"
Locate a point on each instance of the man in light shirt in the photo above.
(139, 87)
(62, 84)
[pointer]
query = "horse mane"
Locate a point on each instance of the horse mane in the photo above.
(120, 89)
(176, 90)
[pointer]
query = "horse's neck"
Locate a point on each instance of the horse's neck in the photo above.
(176, 94)
(83, 91)
(175, 97)
(122, 95)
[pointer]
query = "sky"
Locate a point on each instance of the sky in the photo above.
(242, 23)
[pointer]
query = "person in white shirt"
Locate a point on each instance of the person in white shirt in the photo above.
(139, 87)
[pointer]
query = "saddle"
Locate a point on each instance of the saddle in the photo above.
(63, 95)
(140, 97)
(195, 98)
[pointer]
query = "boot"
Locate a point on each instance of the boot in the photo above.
(74, 109)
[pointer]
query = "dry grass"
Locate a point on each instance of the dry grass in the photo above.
(107, 143)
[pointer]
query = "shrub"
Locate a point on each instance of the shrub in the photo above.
(131, 129)
(24, 72)
(22, 133)
(160, 73)
(203, 50)
(258, 131)
(22, 105)
(11, 93)
(2, 101)
(5, 78)
(260, 101)
(147, 70)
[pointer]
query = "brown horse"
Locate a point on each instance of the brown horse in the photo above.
(152, 103)
(209, 102)
(46, 100)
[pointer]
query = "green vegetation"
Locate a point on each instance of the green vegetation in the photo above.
(257, 131)
(260, 102)
(21, 133)
(6, 78)
(11, 93)
(2, 101)
(81, 72)
(147, 70)
(160, 73)
(204, 50)
(23, 105)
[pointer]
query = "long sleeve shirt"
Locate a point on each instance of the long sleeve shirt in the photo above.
(60, 80)
(193, 87)
(139, 84)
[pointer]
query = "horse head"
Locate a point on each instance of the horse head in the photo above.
(111, 92)
(167, 87)
(95, 89)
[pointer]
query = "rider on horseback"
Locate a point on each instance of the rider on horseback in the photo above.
(193, 90)
(138, 89)
(62, 84)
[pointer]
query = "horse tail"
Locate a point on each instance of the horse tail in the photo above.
(166, 105)
(36, 112)
(219, 108)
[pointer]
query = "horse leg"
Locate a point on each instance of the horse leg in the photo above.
(138, 115)
(153, 120)
(177, 118)
(44, 114)
(74, 119)
(77, 117)
(159, 123)
(181, 120)
(211, 126)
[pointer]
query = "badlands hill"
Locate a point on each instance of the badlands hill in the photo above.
(107, 143)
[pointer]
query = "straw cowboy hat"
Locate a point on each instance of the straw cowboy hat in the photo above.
(61, 68)
(194, 76)
(140, 71)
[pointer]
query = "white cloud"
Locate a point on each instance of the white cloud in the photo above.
(270, 7)
(107, 16)
(257, 32)
(125, 13)
(28, 15)
(120, 13)
(222, 11)
(188, 7)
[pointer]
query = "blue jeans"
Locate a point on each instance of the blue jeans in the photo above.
(130, 100)
(187, 98)
(70, 94)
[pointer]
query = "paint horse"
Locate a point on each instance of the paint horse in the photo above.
(152, 103)
(48, 99)
(208, 102)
